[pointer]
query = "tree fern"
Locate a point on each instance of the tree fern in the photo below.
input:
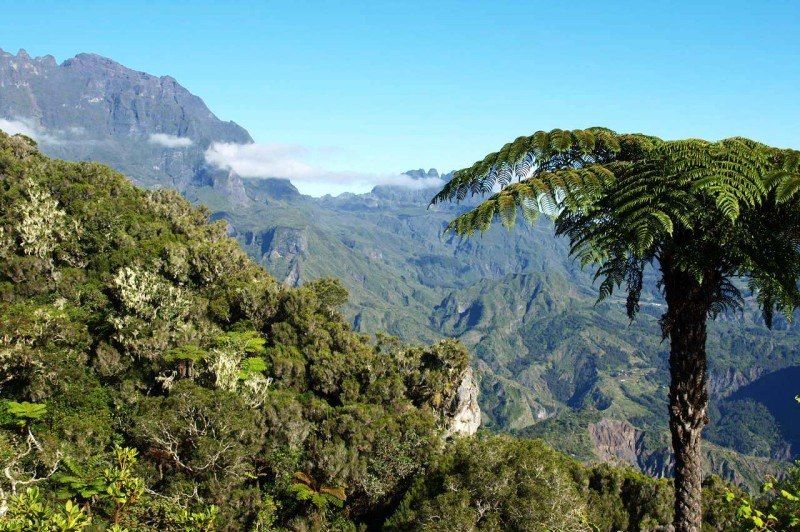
(702, 212)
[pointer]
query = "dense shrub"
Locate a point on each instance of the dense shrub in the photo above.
(128, 319)
(496, 483)
(624, 499)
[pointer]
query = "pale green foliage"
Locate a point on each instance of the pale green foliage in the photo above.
(42, 224)
(751, 517)
(123, 487)
(255, 387)
(154, 312)
(25, 412)
(29, 511)
(6, 243)
(225, 367)
(778, 508)
(148, 296)
(169, 204)
(236, 368)
(204, 520)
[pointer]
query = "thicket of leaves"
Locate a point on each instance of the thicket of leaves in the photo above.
(152, 377)
(128, 320)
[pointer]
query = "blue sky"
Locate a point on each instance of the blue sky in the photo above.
(389, 86)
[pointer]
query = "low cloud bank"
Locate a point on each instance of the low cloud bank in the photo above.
(75, 134)
(30, 128)
(299, 165)
(170, 141)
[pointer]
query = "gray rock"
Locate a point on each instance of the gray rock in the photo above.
(92, 108)
(465, 417)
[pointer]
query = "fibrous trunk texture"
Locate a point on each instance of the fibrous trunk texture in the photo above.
(688, 395)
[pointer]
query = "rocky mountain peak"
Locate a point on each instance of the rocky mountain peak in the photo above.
(23, 56)
(87, 60)
(91, 107)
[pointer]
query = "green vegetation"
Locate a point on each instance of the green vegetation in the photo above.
(516, 301)
(154, 378)
(542, 349)
(778, 507)
(704, 214)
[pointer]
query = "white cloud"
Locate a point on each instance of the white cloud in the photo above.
(261, 160)
(170, 141)
(300, 165)
(30, 128)
(17, 127)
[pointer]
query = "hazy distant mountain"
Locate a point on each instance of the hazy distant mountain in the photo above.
(90, 107)
(551, 362)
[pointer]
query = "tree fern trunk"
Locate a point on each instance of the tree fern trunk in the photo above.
(688, 397)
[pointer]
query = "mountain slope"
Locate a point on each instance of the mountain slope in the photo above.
(154, 378)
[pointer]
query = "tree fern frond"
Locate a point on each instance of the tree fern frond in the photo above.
(717, 209)
(507, 209)
(787, 187)
(543, 151)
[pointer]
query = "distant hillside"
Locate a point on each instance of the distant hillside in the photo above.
(544, 351)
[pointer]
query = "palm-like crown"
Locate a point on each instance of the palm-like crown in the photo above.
(715, 210)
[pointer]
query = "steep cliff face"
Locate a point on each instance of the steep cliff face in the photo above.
(723, 383)
(90, 107)
(619, 441)
(616, 440)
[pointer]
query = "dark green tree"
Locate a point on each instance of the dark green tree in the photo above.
(702, 213)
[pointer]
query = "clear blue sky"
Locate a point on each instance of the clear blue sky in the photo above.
(400, 85)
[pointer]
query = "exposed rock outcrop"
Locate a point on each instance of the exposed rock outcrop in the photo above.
(465, 417)
(619, 441)
(615, 440)
(293, 277)
(724, 383)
